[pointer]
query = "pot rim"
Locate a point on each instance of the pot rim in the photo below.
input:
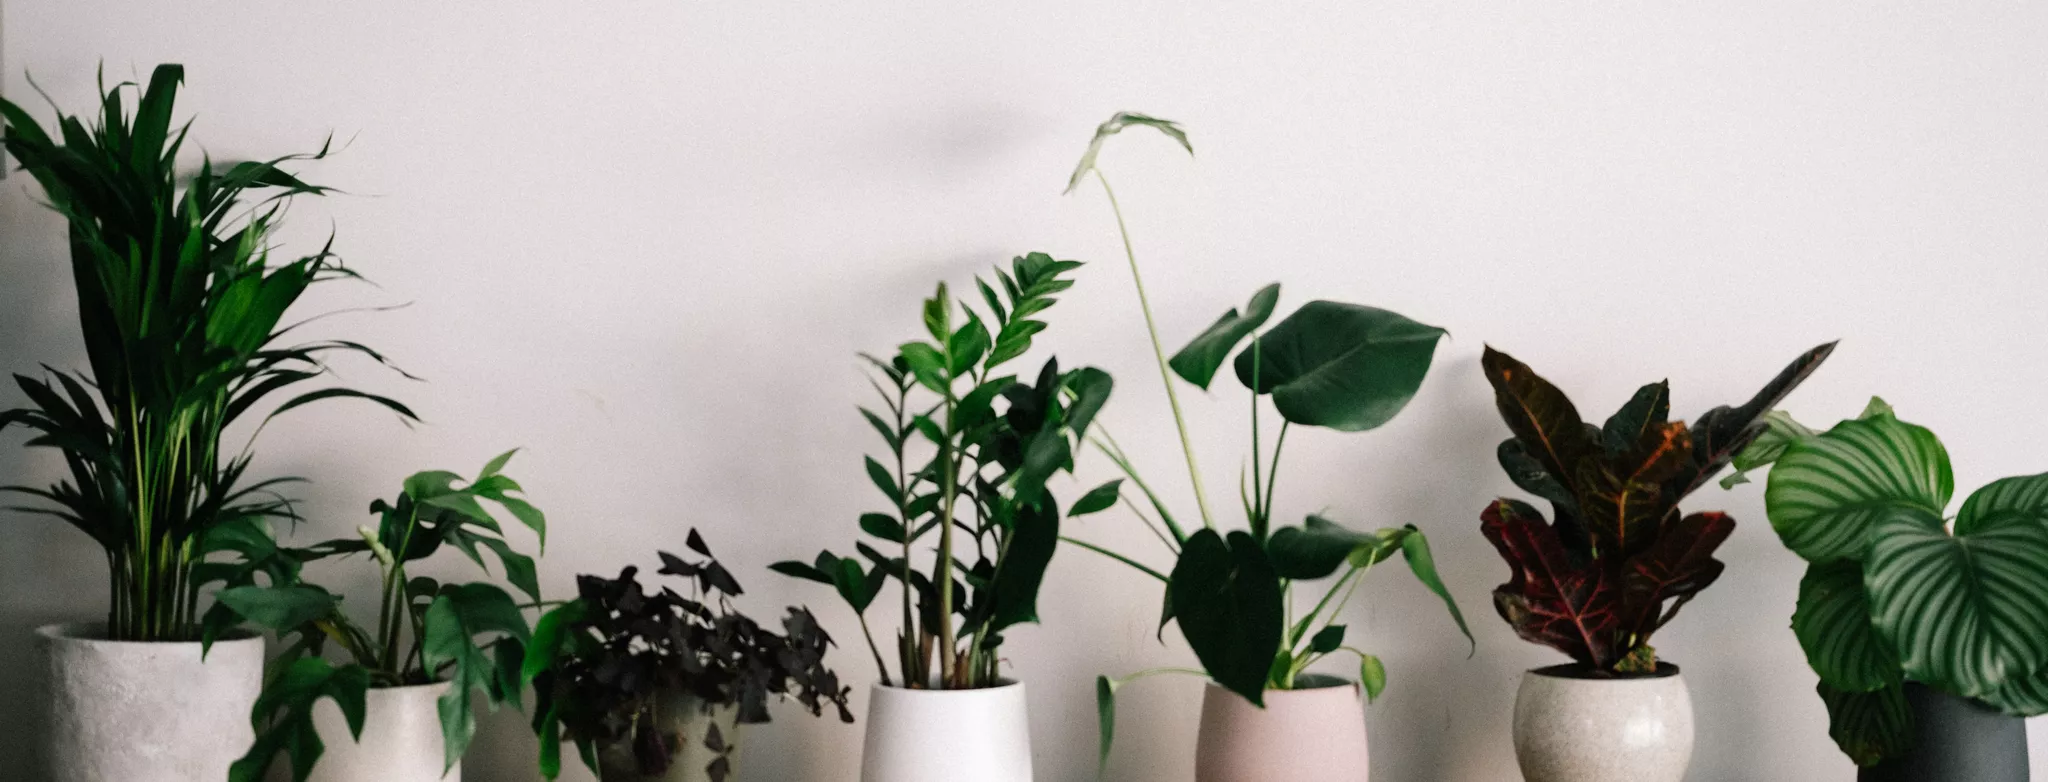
(1002, 685)
(1579, 672)
(1326, 683)
(93, 632)
(436, 685)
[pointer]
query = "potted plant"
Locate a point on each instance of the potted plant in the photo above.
(970, 451)
(1345, 367)
(655, 687)
(1615, 565)
(1928, 630)
(370, 717)
(181, 309)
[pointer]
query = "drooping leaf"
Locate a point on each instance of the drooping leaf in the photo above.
(1415, 549)
(1964, 611)
(1834, 627)
(1869, 726)
(1115, 125)
(1343, 366)
(1549, 598)
(1373, 674)
(1227, 600)
(1828, 493)
(1197, 363)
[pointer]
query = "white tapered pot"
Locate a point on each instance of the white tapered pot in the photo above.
(1574, 729)
(947, 735)
(401, 738)
(685, 722)
(146, 712)
(1315, 732)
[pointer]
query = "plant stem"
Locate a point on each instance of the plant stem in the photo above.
(1259, 520)
(876, 650)
(945, 569)
(1165, 373)
(1273, 474)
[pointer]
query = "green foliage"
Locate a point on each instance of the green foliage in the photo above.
(1344, 367)
(1897, 593)
(182, 313)
(472, 635)
(970, 451)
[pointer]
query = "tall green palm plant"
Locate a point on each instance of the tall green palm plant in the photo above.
(181, 311)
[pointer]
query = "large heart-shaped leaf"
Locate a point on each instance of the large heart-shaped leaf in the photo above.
(1833, 625)
(1197, 363)
(1549, 598)
(1115, 125)
(1022, 570)
(1343, 366)
(1827, 493)
(1227, 600)
(1967, 612)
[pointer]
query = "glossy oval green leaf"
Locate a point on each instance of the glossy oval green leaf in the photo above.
(1373, 674)
(1197, 363)
(1827, 493)
(1834, 627)
(1098, 499)
(1343, 366)
(1966, 613)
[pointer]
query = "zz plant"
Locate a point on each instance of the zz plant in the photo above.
(182, 312)
(1898, 589)
(1619, 560)
(970, 450)
(471, 635)
(617, 670)
(1344, 367)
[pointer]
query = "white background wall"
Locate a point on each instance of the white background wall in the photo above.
(645, 239)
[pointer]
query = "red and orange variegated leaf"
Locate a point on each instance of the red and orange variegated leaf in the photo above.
(1622, 500)
(1680, 565)
(1541, 416)
(1551, 599)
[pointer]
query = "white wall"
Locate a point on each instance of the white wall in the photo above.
(645, 239)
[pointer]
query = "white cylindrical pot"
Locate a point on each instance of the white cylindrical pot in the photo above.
(687, 726)
(401, 739)
(947, 735)
(147, 712)
(1572, 728)
(1315, 732)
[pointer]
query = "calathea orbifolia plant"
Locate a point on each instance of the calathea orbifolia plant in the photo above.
(1897, 589)
(1619, 560)
(970, 451)
(182, 313)
(471, 635)
(1345, 367)
(623, 674)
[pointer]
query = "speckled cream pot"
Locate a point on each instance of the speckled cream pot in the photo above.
(1570, 729)
(146, 712)
(1315, 732)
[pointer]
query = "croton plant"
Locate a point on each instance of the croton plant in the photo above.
(1619, 559)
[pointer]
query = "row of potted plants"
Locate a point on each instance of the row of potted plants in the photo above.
(1929, 636)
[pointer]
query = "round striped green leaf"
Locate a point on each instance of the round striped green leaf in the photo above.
(1833, 625)
(2022, 696)
(1828, 492)
(1965, 613)
(2021, 500)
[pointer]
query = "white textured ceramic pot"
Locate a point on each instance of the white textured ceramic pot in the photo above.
(146, 712)
(1569, 728)
(401, 738)
(1314, 732)
(689, 726)
(947, 735)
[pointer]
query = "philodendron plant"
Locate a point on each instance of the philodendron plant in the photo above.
(471, 635)
(182, 313)
(1896, 588)
(1619, 560)
(611, 668)
(1345, 367)
(970, 451)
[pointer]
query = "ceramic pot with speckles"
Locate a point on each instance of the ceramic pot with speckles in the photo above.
(1316, 731)
(145, 711)
(1573, 728)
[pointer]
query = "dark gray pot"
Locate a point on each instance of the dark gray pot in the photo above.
(1959, 740)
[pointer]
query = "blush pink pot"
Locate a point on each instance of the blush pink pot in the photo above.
(1303, 734)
